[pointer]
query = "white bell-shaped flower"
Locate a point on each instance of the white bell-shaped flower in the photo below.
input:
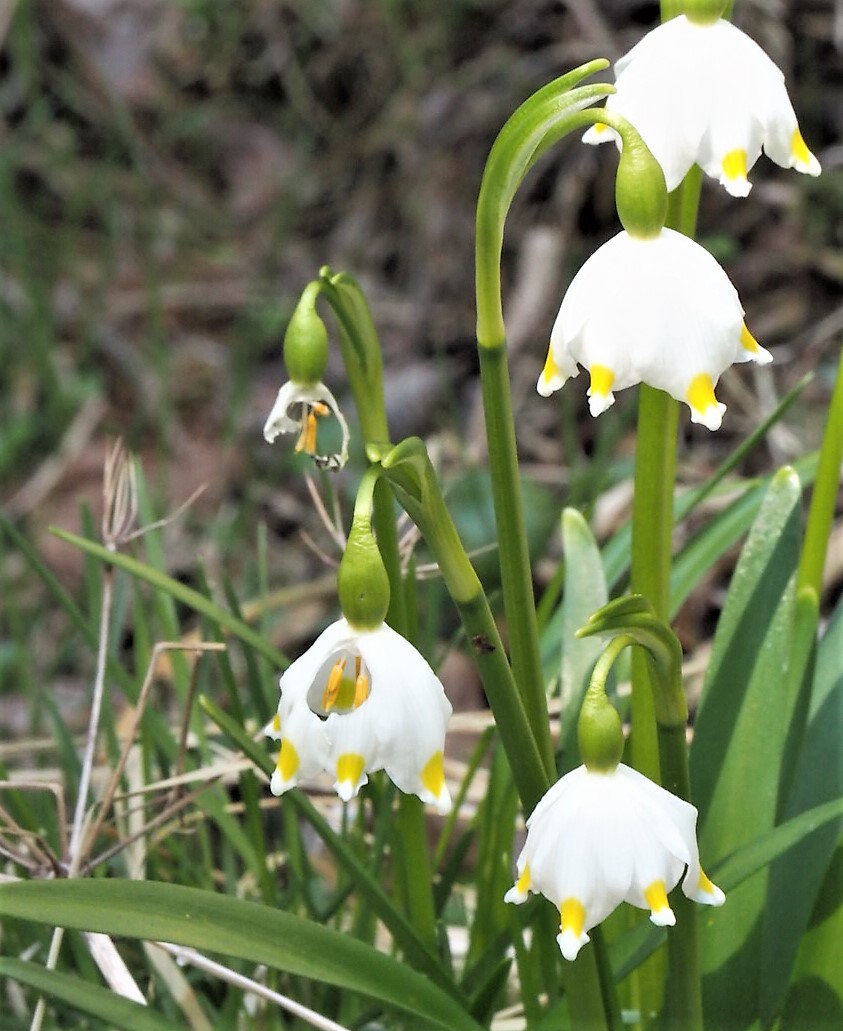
(312, 402)
(359, 701)
(598, 839)
(657, 310)
(706, 94)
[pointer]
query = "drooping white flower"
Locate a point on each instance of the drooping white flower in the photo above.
(706, 93)
(313, 402)
(657, 310)
(598, 839)
(358, 701)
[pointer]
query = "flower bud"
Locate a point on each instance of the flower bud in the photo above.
(599, 732)
(306, 341)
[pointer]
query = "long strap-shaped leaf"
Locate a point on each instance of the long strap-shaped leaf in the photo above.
(86, 997)
(215, 923)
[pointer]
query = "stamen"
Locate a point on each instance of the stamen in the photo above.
(361, 688)
(307, 437)
(332, 688)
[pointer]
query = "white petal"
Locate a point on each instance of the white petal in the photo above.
(279, 420)
(411, 714)
(570, 944)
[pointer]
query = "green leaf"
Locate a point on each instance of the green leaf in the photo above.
(585, 593)
(232, 927)
(89, 998)
(740, 735)
(796, 881)
(402, 931)
(180, 592)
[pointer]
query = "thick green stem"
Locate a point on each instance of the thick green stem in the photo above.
(652, 526)
(516, 577)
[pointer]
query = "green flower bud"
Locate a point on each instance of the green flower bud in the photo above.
(306, 340)
(640, 190)
(704, 12)
(599, 732)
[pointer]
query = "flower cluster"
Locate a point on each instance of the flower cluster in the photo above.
(359, 701)
(597, 839)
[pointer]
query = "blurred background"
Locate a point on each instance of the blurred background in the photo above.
(172, 174)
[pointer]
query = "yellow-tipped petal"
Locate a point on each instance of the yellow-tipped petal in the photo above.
(748, 341)
(734, 165)
(522, 885)
(350, 769)
(602, 379)
(701, 394)
(660, 912)
(433, 774)
(551, 369)
(288, 760)
(801, 158)
(572, 917)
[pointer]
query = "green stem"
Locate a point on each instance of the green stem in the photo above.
(516, 573)
(824, 497)
(652, 526)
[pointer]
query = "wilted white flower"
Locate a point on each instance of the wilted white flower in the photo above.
(657, 310)
(706, 94)
(358, 701)
(598, 839)
(313, 402)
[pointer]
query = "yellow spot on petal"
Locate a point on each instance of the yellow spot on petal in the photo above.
(551, 369)
(656, 896)
(700, 393)
(602, 379)
(332, 688)
(734, 164)
(798, 149)
(704, 884)
(522, 885)
(276, 723)
(572, 917)
(600, 127)
(288, 760)
(350, 768)
(748, 341)
(433, 774)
